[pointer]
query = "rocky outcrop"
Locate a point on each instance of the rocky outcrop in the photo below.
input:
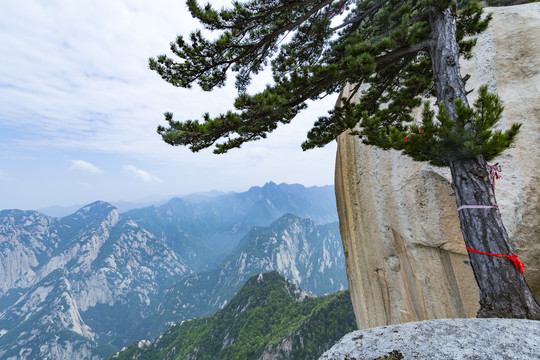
(405, 255)
(24, 237)
(58, 275)
(443, 340)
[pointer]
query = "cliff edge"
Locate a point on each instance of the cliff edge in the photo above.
(405, 256)
(446, 339)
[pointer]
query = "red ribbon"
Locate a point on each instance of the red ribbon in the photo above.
(407, 137)
(513, 258)
(494, 174)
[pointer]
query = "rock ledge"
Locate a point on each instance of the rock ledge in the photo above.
(446, 339)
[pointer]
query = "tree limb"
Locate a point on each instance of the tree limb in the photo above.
(362, 16)
(414, 19)
(399, 53)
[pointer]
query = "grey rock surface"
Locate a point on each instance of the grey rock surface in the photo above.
(445, 339)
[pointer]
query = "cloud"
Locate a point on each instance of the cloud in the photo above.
(85, 166)
(91, 61)
(141, 174)
(81, 85)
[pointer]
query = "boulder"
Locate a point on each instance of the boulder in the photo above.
(405, 255)
(447, 339)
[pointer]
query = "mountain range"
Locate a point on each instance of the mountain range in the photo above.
(85, 285)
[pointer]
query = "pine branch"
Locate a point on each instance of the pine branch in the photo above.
(358, 19)
(414, 19)
(391, 57)
(294, 24)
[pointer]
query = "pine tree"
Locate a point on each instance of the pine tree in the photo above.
(394, 53)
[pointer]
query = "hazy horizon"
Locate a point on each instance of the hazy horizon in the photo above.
(146, 200)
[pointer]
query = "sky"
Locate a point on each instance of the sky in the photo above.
(79, 110)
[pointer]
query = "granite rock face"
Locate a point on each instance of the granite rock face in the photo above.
(446, 339)
(406, 260)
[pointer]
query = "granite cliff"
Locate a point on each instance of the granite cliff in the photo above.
(405, 256)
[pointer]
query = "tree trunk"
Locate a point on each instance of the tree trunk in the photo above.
(503, 290)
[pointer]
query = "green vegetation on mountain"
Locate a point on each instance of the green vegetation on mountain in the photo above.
(267, 311)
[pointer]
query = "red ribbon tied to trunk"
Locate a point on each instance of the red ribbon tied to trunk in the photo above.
(513, 258)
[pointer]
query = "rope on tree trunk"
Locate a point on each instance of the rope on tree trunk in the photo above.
(494, 171)
(494, 175)
(477, 207)
(513, 258)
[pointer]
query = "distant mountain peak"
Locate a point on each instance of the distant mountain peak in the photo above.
(269, 186)
(97, 205)
(95, 208)
(268, 282)
(288, 217)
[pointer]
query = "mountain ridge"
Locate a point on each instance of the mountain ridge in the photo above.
(117, 266)
(60, 211)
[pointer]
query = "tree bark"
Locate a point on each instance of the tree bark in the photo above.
(503, 290)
